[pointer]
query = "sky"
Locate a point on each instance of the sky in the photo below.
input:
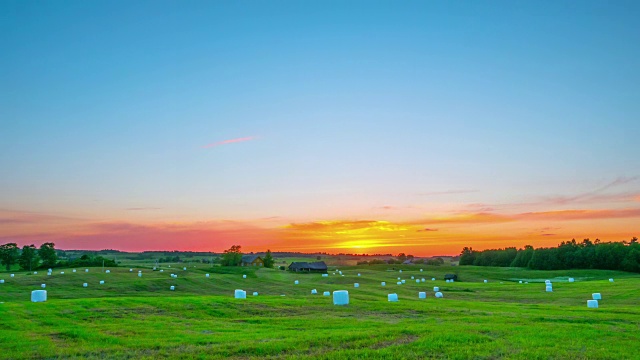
(336, 126)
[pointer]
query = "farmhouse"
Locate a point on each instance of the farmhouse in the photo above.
(252, 260)
(318, 266)
(451, 277)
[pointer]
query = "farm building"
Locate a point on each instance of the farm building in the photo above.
(252, 260)
(318, 266)
(451, 277)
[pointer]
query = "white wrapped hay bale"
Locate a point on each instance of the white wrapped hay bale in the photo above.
(404, 281)
(439, 295)
(13, 275)
(412, 277)
(139, 274)
(433, 279)
(399, 283)
(101, 282)
(326, 293)
(596, 296)
(355, 285)
(35, 273)
(420, 270)
(39, 295)
(383, 284)
(400, 270)
(610, 280)
(399, 278)
(108, 271)
(358, 274)
(49, 270)
(86, 270)
(172, 288)
(43, 286)
(184, 268)
(418, 281)
(296, 282)
(547, 281)
(486, 281)
(423, 280)
(314, 291)
(130, 270)
(74, 270)
(435, 288)
(48, 274)
(341, 297)
(571, 279)
(240, 294)
(422, 295)
(392, 297)
(139, 271)
(206, 275)
(161, 270)
(325, 275)
(255, 293)
(85, 285)
(244, 276)
(340, 272)
(592, 304)
(1, 281)
(549, 288)
(447, 280)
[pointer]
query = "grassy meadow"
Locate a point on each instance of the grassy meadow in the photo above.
(131, 317)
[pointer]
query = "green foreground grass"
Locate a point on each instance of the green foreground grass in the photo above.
(131, 317)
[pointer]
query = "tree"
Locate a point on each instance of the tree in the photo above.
(47, 253)
(402, 257)
(232, 256)
(8, 254)
(268, 260)
(29, 258)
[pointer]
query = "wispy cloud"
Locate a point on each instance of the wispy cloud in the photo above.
(448, 192)
(596, 195)
(142, 208)
(581, 214)
(470, 218)
(230, 141)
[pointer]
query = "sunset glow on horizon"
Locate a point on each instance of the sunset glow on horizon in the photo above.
(418, 127)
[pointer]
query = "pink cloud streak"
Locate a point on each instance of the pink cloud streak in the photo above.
(230, 141)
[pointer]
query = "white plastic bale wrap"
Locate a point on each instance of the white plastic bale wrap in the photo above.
(433, 279)
(422, 295)
(486, 281)
(1, 281)
(314, 291)
(341, 297)
(101, 282)
(418, 281)
(108, 271)
(596, 296)
(244, 276)
(439, 295)
(356, 285)
(592, 304)
(296, 282)
(325, 275)
(420, 270)
(435, 288)
(12, 275)
(255, 293)
(86, 270)
(326, 293)
(571, 279)
(423, 280)
(240, 294)
(404, 281)
(130, 270)
(139, 274)
(206, 275)
(399, 283)
(549, 288)
(172, 288)
(400, 270)
(85, 285)
(412, 277)
(392, 297)
(358, 274)
(39, 295)
(383, 284)
(43, 286)
(74, 270)
(610, 280)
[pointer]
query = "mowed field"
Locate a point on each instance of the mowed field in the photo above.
(131, 317)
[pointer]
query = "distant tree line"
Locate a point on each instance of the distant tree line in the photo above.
(623, 256)
(44, 257)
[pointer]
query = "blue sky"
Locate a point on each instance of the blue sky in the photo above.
(354, 106)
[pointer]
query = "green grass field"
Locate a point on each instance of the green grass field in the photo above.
(131, 317)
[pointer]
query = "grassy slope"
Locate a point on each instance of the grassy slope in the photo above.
(131, 317)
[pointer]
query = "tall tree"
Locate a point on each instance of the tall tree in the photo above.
(29, 258)
(8, 254)
(48, 254)
(268, 260)
(232, 256)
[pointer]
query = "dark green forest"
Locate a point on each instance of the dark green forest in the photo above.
(624, 255)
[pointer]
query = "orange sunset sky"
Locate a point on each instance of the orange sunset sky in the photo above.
(415, 127)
